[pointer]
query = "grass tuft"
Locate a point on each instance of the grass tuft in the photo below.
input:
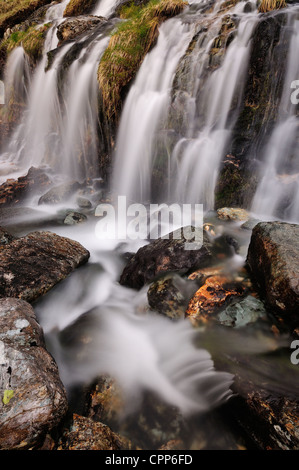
(128, 46)
(270, 5)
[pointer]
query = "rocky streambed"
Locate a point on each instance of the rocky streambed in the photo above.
(238, 294)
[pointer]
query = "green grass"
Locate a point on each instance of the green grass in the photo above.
(128, 45)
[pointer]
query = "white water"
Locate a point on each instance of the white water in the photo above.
(145, 108)
(195, 160)
(106, 7)
(279, 184)
(61, 137)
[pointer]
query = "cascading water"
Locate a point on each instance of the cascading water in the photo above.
(143, 351)
(194, 164)
(277, 194)
(60, 135)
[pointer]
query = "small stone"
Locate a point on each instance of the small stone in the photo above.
(233, 213)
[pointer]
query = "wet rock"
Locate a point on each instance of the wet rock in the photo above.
(74, 218)
(84, 203)
(85, 434)
(273, 259)
(242, 313)
(5, 237)
(59, 193)
(15, 191)
(33, 264)
(72, 28)
(170, 295)
(232, 213)
(216, 293)
(162, 256)
(33, 399)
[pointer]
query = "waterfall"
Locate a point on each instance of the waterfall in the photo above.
(106, 7)
(194, 162)
(277, 194)
(144, 110)
(58, 130)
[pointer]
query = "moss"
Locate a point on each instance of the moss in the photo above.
(32, 41)
(129, 43)
(270, 5)
(79, 7)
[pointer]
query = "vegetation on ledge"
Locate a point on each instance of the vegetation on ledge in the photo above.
(13, 12)
(79, 7)
(128, 46)
(270, 5)
(32, 41)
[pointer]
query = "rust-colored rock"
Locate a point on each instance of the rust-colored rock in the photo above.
(213, 295)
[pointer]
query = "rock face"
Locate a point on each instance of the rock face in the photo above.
(59, 193)
(162, 256)
(273, 259)
(33, 399)
(31, 265)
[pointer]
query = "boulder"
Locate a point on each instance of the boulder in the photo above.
(33, 264)
(273, 260)
(33, 399)
(74, 27)
(165, 255)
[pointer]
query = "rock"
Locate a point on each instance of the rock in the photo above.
(59, 193)
(5, 237)
(216, 292)
(170, 295)
(84, 203)
(73, 218)
(273, 260)
(242, 313)
(71, 28)
(33, 399)
(15, 191)
(85, 434)
(232, 213)
(33, 264)
(162, 256)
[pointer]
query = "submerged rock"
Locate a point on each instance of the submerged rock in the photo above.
(242, 313)
(273, 259)
(170, 295)
(59, 193)
(73, 218)
(85, 434)
(162, 256)
(33, 399)
(33, 264)
(232, 213)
